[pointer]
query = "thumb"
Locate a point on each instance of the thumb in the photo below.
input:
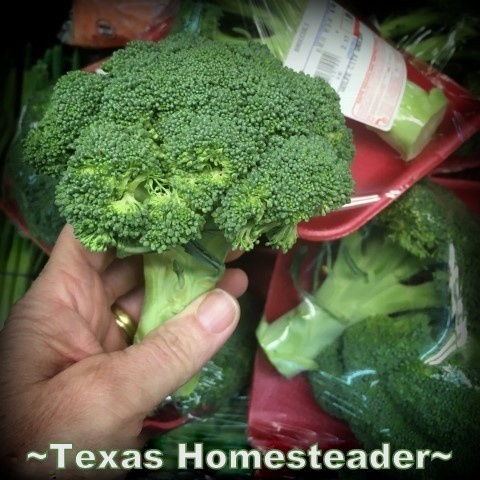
(173, 353)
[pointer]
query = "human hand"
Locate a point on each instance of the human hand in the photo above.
(67, 373)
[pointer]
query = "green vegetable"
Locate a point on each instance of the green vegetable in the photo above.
(225, 430)
(34, 192)
(419, 114)
(371, 273)
(392, 340)
(20, 263)
(184, 149)
(389, 388)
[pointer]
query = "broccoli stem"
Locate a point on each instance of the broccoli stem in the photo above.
(419, 114)
(369, 277)
(175, 278)
(354, 299)
(293, 341)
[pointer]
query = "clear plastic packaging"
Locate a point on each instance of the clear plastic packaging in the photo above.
(380, 332)
(226, 430)
(322, 38)
(27, 196)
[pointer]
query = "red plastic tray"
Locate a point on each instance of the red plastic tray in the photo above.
(381, 175)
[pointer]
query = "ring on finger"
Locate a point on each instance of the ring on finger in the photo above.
(126, 324)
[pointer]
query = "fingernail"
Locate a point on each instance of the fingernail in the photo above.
(217, 311)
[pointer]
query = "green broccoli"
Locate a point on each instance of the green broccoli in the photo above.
(368, 273)
(397, 359)
(34, 193)
(390, 389)
(226, 429)
(419, 115)
(184, 149)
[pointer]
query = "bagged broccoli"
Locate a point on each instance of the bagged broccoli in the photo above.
(321, 38)
(388, 331)
(226, 430)
(31, 192)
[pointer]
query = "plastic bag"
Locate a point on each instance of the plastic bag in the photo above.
(112, 23)
(28, 198)
(445, 36)
(225, 429)
(322, 38)
(381, 331)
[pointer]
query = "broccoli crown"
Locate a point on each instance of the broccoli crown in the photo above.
(171, 135)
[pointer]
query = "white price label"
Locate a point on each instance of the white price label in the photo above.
(368, 74)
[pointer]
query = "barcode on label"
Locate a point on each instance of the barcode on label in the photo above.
(327, 66)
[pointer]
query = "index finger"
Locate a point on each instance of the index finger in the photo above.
(69, 253)
(234, 254)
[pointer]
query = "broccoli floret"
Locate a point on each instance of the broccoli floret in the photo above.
(184, 149)
(54, 136)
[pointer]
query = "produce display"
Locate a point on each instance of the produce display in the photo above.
(200, 131)
(20, 263)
